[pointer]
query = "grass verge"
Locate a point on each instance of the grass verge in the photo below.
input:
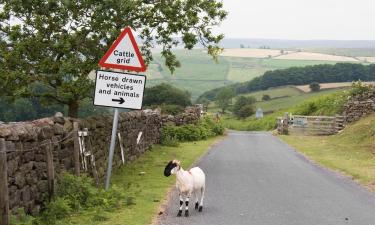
(351, 152)
(144, 185)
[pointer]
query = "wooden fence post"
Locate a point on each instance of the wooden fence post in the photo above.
(76, 149)
(50, 169)
(4, 197)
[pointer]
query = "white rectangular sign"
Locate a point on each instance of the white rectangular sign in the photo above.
(119, 90)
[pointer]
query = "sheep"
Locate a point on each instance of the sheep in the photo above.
(187, 183)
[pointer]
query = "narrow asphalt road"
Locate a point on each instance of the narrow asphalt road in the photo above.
(256, 179)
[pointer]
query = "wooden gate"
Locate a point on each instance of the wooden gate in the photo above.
(315, 125)
(310, 125)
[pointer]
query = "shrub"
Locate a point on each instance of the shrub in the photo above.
(246, 111)
(170, 141)
(22, 218)
(327, 105)
(55, 210)
(359, 88)
(171, 109)
(314, 86)
(191, 132)
(243, 107)
(266, 97)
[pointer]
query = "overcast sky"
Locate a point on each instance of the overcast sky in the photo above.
(300, 19)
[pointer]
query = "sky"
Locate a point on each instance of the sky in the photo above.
(300, 19)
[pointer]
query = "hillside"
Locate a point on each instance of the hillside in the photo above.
(351, 152)
(199, 73)
(324, 73)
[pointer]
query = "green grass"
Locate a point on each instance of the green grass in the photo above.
(328, 102)
(268, 122)
(199, 72)
(351, 152)
(288, 102)
(287, 91)
(144, 185)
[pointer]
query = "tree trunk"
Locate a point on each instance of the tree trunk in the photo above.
(73, 109)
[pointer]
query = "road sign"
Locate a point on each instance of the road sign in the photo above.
(124, 54)
(119, 90)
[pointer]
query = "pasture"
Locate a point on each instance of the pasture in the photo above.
(199, 72)
(323, 86)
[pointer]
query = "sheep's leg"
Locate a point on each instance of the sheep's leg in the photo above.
(202, 197)
(181, 203)
(196, 200)
(187, 206)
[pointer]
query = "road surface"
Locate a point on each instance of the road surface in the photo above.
(256, 179)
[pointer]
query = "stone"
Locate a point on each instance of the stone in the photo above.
(58, 129)
(25, 194)
(19, 180)
(47, 132)
(12, 167)
(68, 126)
(31, 178)
(59, 118)
(42, 186)
(5, 131)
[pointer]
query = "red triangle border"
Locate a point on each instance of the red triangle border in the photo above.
(103, 60)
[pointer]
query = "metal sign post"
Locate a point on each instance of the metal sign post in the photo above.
(111, 150)
(120, 90)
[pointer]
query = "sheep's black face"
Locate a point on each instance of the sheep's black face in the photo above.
(169, 168)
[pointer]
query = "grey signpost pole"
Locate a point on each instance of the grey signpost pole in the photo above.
(111, 149)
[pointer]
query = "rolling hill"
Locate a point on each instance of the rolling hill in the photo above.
(199, 73)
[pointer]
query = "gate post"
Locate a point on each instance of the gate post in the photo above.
(4, 196)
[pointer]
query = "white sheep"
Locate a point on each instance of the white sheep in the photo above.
(187, 183)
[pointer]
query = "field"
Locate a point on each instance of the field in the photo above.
(306, 88)
(316, 56)
(199, 72)
(252, 52)
(350, 52)
(367, 59)
(281, 98)
(284, 97)
(350, 152)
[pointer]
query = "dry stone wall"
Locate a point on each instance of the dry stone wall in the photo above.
(27, 144)
(359, 106)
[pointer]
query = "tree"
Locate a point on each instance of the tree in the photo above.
(166, 94)
(314, 86)
(205, 102)
(244, 106)
(58, 43)
(246, 111)
(266, 97)
(242, 46)
(223, 98)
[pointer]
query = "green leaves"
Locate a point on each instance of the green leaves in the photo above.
(58, 43)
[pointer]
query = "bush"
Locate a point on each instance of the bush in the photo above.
(243, 107)
(327, 105)
(359, 88)
(55, 210)
(314, 86)
(266, 98)
(171, 109)
(74, 193)
(246, 111)
(166, 94)
(22, 218)
(191, 132)
(170, 141)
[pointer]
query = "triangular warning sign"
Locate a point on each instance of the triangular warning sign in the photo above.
(124, 54)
